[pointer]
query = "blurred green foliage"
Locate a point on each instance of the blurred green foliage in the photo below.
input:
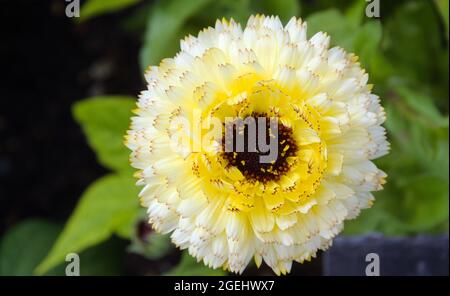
(406, 54)
(93, 8)
(171, 20)
(15, 245)
(188, 266)
(109, 206)
(18, 258)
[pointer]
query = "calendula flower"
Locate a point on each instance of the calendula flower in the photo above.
(322, 123)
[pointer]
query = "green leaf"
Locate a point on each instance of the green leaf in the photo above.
(94, 8)
(413, 42)
(341, 31)
(19, 257)
(104, 121)
(380, 70)
(239, 10)
(422, 105)
(418, 146)
(188, 266)
(443, 10)
(379, 217)
(163, 29)
(419, 205)
(107, 205)
(375, 220)
(425, 204)
(346, 32)
(25, 245)
(415, 198)
(356, 12)
(137, 19)
(284, 9)
(367, 42)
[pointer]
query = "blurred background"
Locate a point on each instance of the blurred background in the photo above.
(65, 182)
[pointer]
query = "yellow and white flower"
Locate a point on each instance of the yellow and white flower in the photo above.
(226, 208)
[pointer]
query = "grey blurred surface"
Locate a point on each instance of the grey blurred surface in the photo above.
(398, 256)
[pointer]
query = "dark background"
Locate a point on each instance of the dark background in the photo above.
(49, 62)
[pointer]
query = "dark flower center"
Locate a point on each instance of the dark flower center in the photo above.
(248, 161)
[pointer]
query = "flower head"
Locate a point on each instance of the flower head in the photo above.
(309, 127)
